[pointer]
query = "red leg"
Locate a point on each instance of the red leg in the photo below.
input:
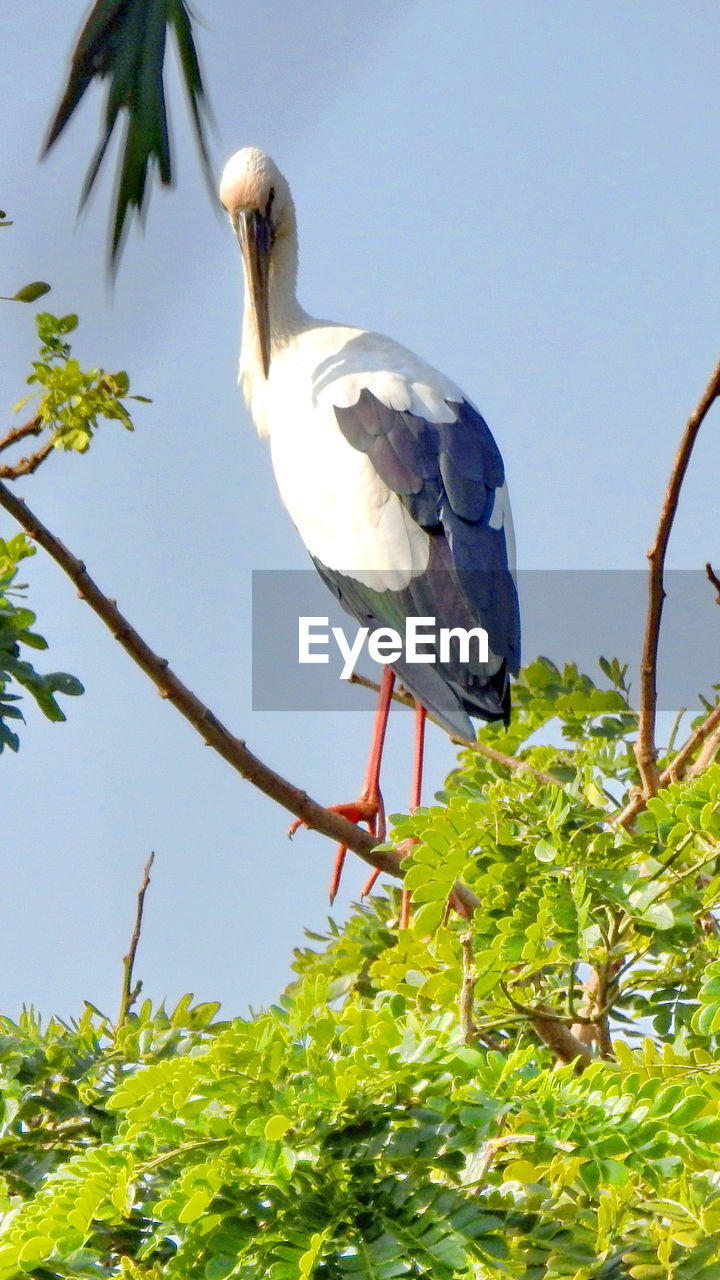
(369, 806)
(415, 798)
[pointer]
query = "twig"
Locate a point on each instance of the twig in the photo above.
(707, 755)
(674, 771)
(554, 1032)
(130, 993)
(712, 577)
(675, 729)
(519, 766)
(678, 767)
(467, 990)
(31, 428)
(645, 749)
(498, 757)
(26, 466)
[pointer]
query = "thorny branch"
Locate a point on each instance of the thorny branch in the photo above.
(645, 749)
(130, 993)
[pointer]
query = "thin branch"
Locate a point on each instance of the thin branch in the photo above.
(498, 757)
(707, 755)
(467, 990)
(645, 749)
(212, 731)
(676, 770)
(130, 993)
(26, 466)
(712, 577)
(31, 428)
(518, 766)
(675, 730)
(554, 1032)
(679, 766)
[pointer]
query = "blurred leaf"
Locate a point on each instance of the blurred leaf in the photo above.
(31, 292)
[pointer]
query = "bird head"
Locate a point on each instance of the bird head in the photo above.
(259, 204)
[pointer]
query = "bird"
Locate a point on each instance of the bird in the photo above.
(390, 474)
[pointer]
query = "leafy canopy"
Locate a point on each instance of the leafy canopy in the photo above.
(402, 1110)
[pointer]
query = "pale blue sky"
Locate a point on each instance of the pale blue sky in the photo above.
(528, 195)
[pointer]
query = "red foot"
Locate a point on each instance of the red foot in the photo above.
(368, 809)
(361, 810)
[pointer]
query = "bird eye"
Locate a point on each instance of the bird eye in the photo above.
(268, 206)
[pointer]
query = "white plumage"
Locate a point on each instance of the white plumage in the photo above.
(386, 469)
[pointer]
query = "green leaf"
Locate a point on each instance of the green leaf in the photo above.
(220, 1266)
(31, 292)
(545, 851)
(277, 1127)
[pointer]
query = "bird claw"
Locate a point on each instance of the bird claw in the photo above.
(365, 809)
(368, 809)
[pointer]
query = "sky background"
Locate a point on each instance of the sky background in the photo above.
(527, 195)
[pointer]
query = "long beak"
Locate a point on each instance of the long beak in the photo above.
(255, 234)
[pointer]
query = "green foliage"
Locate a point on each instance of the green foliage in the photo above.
(16, 623)
(70, 402)
(72, 399)
(372, 1124)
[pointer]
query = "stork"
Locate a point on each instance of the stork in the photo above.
(389, 473)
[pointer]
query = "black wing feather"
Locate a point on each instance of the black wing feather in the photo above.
(446, 475)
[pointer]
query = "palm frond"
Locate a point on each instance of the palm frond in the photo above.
(124, 42)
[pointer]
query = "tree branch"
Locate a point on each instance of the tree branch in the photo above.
(553, 1030)
(645, 749)
(130, 993)
(212, 731)
(707, 755)
(676, 770)
(31, 428)
(26, 466)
